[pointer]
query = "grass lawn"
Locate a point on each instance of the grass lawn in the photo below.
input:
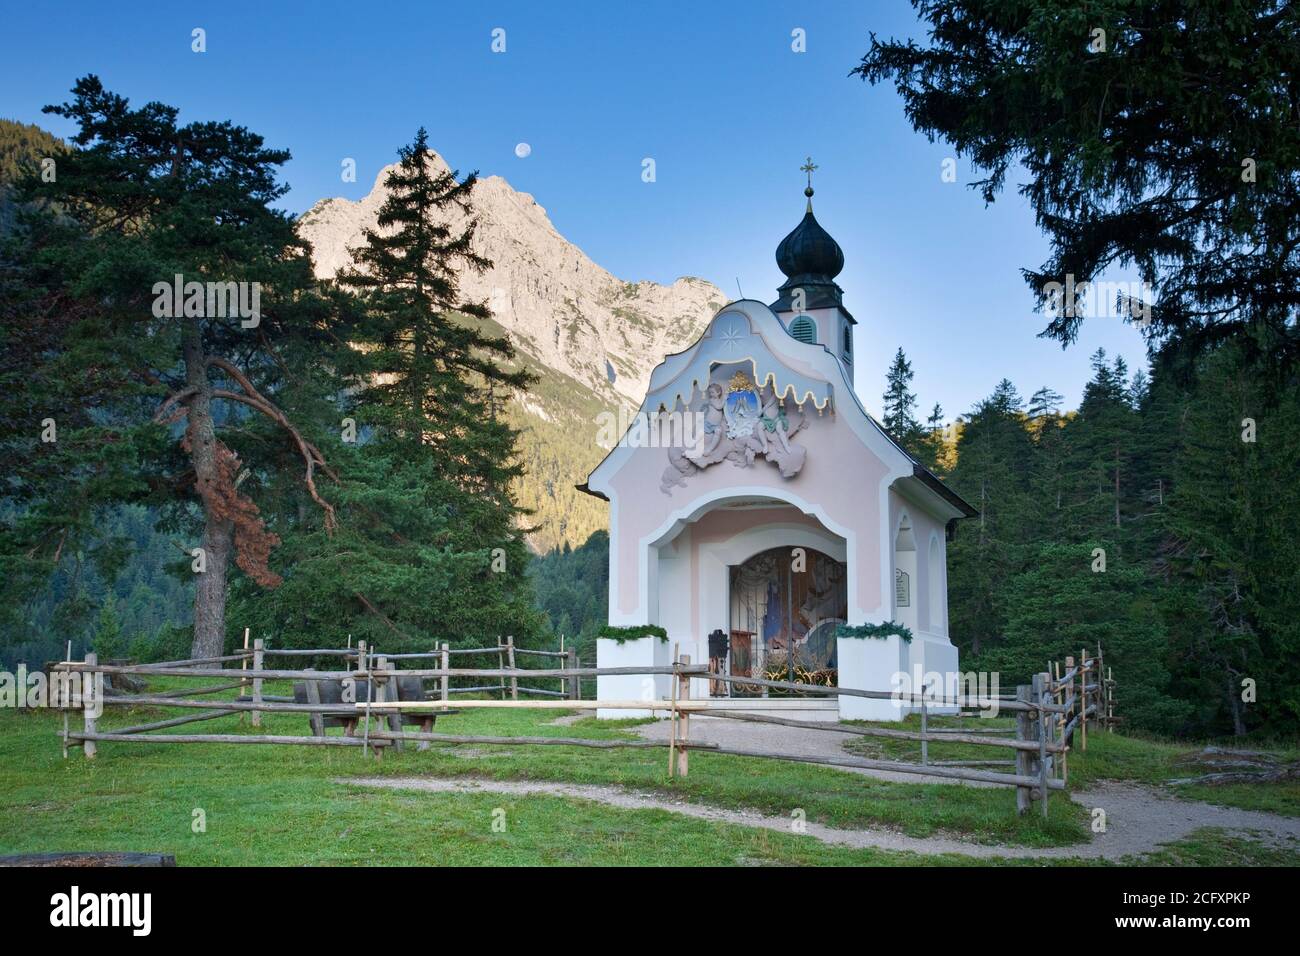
(281, 805)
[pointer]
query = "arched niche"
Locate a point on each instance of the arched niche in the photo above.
(905, 579)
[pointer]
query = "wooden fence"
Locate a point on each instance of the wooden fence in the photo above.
(1048, 712)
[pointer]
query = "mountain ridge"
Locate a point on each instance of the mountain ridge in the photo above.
(592, 338)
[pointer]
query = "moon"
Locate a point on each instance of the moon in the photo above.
(523, 150)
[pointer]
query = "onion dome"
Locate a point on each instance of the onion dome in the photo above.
(810, 260)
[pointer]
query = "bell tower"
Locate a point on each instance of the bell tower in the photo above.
(811, 304)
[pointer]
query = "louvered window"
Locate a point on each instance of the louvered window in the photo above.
(804, 329)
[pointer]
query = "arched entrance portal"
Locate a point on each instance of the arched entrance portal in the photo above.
(783, 600)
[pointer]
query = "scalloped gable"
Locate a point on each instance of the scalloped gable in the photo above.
(748, 329)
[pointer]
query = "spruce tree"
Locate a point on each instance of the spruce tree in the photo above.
(900, 404)
(431, 385)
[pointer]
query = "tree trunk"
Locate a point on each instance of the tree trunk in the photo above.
(218, 532)
(210, 592)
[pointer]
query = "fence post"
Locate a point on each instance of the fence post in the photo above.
(87, 702)
(1024, 725)
(510, 655)
(575, 681)
(316, 720)
(1083, 699)
(1110, 701)
(394, 720)
(258, 646)
(446, 665)
(684, 693)
(363, 665)
(1042, 726)
(925, 713)
(1058, 699)
(501, 665)
(243, 681)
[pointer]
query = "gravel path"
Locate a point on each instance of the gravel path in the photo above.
(1138, 819)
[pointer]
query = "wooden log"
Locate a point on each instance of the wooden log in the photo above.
(84, 860)
(925, 725)
(388, 686)
(956, 773)
(1040, 731)
(983, 703)
(664, 705)
(363, 709)
(146, 700)
(444, 682)
(510, 659)
(544, 741)
(88, 746)
(243, 666)
(954, 736)
(200, 691)
(316, 721)
(1083, 699)
(534, 653)
(173, 722)
(684, 721)
(672, 722)
(962, 730)
(146, 668)
(1024, 766)
(362, 674)
(225, 739)
(474, 690)
(575, 683)
(259, 645)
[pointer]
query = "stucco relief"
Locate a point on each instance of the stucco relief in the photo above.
(741, 423)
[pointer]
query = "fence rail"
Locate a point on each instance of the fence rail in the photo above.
(1050, 712)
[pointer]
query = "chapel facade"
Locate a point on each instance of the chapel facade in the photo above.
(758, 508)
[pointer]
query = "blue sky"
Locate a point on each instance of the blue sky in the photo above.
(711, 91)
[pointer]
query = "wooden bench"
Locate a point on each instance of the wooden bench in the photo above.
(329, 690)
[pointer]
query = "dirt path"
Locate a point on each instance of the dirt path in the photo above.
(1138, 820)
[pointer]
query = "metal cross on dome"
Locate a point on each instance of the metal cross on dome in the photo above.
(809, 167)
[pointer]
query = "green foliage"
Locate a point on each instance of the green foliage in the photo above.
(900, 403)
(1170, 146)
(429, 545)
(573, 585)
(632, 632)
(878, 631)
(23, 145)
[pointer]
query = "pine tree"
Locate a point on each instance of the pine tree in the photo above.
(900, 404)
(430, 384)
(141, 199)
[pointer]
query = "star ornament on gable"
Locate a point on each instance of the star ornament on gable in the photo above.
(731, 337)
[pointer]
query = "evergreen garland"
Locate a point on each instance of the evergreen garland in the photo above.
(633, 633)
(880, 631)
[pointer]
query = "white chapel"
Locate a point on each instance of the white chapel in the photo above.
(770, 510)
